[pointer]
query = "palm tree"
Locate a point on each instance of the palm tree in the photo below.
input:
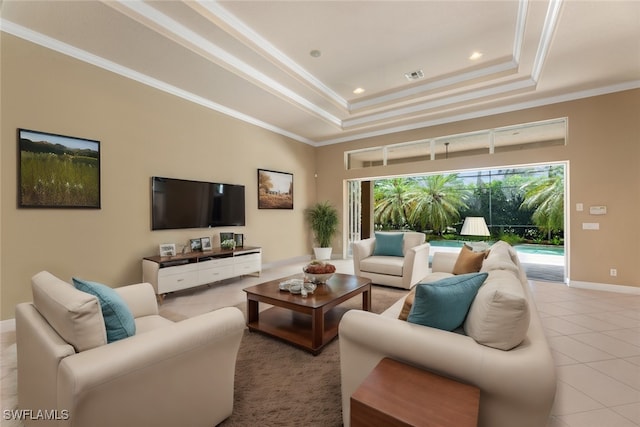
(390, 205)
(546, 196)
(435, 201)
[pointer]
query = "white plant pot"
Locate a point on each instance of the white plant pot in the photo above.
(322, 253)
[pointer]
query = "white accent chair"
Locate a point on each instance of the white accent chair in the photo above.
(167, 374)
(397, 271)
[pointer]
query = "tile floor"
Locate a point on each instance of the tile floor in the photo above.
(595, 340)
(594, 337)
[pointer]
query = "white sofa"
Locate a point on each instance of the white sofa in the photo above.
(398, 271)
(517, 385)
(167, 374)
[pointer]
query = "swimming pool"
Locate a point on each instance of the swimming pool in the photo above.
(525, 248)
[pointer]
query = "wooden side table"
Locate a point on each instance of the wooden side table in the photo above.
(396, 394)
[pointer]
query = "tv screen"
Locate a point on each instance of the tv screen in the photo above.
(179, 203)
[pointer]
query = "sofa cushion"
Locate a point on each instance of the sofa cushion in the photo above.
(499, 315)
(389, 244)
(468, 261)
(408, 300)
(501, 256)
(74, 315)
(118, 318)
(444, 304)
(389, 265)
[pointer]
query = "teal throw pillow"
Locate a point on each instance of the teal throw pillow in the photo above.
(388, 244)
(118, 318)
(444, 304)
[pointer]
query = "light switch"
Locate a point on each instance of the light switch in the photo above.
(591, 226)
(579, 207)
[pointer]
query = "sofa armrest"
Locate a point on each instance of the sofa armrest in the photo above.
(140, 298)
(416, 265)
(361, 250)
(181, 374)
(443, 262)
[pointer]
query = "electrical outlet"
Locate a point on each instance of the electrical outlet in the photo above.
(613, 272)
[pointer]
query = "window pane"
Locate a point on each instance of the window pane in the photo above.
(405, 153)
(365, 158)
(531, 135)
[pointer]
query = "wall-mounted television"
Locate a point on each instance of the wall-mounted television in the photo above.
(180, 203)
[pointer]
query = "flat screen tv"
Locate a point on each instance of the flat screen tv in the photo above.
(180, 203)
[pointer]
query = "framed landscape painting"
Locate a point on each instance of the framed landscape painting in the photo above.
(275, 190)
(56, 171)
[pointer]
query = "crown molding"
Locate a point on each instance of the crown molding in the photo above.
(225, 20)
(84, 56)
(161, 23)
(486, 112)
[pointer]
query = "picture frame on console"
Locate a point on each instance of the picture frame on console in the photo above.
(226, 236)
(239, 238)
(206, 243)
(275, 189)
(195, 245)
(168, 249)
(57, 171)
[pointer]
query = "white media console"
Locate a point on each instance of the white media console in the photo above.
(175, 273)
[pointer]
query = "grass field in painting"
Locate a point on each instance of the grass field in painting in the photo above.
(65, 180)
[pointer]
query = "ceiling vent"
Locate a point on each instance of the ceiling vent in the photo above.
(414, 75)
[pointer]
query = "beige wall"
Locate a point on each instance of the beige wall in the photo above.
(603, 153)
(142, 132)
(145, 132)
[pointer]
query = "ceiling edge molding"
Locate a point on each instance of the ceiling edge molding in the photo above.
(550, 22)
(487, 112)
(161, 23)
(473, 95)
(435, 84)
(89, 58)
(521, 24)
(217, 14)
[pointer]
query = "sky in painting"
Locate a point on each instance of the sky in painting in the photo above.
(58, 139)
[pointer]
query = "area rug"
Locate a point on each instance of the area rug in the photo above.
(278, 384)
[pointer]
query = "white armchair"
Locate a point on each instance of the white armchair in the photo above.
(404, 269)
(167, 374)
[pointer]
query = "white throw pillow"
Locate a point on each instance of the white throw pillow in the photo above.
(499, 315)
(76, 316)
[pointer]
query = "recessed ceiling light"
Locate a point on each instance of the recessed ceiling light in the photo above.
(358, 90)
(315, 53)
(475, 55)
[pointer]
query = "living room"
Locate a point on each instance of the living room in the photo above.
(145, 132)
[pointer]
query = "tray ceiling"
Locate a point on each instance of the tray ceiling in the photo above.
(292, 66)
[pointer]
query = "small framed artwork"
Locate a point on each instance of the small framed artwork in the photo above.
(239, 238)
(226, 236)
(56, 171)
(168, 249)
(275, 190)
(206, 243)
(195, 245)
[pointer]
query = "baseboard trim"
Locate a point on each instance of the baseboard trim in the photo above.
(605, 287)
(8, 325)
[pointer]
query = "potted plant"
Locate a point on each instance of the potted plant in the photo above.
(323, 218)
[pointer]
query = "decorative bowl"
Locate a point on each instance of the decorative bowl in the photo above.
(317, 278)
(318, 271)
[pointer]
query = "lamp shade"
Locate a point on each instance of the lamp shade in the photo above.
(474, 226)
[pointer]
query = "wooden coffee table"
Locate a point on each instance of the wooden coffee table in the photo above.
(309, 323)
